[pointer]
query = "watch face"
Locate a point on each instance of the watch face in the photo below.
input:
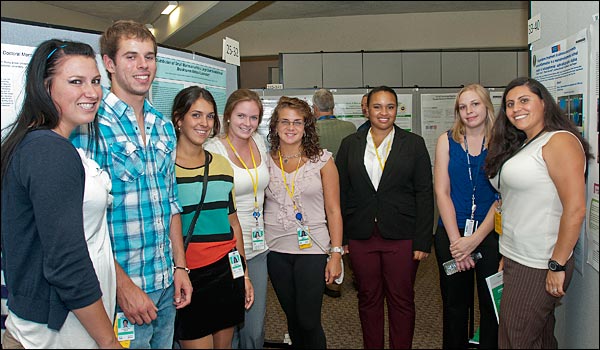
(555, 266)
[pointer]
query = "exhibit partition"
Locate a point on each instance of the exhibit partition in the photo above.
(425, 111)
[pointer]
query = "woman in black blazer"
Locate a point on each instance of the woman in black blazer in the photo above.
(387, 206)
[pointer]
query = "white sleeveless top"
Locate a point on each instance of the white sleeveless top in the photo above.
(531, 207)
(244, 190)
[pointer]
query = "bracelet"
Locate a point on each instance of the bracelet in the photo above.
(248, 278)
(181, 268)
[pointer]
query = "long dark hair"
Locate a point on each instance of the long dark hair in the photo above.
(310, 140)
(38, 110)
(184, 101)
(507, 139)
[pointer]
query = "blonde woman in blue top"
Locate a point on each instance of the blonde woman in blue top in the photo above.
(464, 195)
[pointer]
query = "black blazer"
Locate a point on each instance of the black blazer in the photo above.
(403, 203)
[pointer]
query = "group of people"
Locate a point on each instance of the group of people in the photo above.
(113, 213)
(525, 223)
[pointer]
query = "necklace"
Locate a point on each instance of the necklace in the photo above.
(286, 158)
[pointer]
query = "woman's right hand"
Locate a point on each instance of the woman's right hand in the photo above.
(465, 264)
(462, 248)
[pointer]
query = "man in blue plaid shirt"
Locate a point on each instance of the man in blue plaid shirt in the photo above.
(135, 144)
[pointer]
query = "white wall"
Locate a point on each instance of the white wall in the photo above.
(43, 13)
(417, 31)
(577, 319)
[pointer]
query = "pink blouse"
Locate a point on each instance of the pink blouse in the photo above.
(280, 223)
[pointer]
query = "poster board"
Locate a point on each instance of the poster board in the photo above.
(176, 70)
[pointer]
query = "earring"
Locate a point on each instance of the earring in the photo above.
(178, 128)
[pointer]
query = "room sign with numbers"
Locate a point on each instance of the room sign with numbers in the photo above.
(231, 51)
(534, 29)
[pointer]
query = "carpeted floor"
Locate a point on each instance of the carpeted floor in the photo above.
(342, 324)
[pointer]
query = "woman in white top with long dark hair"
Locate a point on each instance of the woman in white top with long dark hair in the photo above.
(536, 161)
(246, 151)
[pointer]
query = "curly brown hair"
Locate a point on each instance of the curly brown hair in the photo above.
(310, 141)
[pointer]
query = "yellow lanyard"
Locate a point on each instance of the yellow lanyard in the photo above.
(290, 193)
(387, 152)
(254, 182)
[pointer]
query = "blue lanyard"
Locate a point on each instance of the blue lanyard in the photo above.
(325, 117)
(473, 184)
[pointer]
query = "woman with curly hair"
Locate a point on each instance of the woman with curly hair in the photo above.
(303, 222)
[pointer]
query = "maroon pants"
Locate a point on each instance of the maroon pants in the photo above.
(385, 269)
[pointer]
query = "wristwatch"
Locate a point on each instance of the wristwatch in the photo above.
(337, 250)
(553, 265)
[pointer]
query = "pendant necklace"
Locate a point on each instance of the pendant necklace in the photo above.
(286, 158)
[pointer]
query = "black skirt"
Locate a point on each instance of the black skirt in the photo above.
(217, 302)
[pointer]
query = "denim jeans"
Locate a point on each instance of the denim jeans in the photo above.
(159, 333)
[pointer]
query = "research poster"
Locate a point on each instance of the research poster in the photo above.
(15, 59)
(437, 116)
(563, 69)
(173, 74)
(347, 107)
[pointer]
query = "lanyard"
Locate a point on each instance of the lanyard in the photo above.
(291, 193)
(473, 184)
(256, 212)
(519, 150)
(387, 153)
(325, 117)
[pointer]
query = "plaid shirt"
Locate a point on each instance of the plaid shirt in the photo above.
(143, 186)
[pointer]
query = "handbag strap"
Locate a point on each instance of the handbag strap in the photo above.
(188, 238)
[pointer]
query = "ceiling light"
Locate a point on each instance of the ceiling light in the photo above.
(172, 6)
(150, 28)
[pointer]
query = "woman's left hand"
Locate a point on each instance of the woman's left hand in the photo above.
(554, 283)
(249, 300)
(419, 255)
(333, 269)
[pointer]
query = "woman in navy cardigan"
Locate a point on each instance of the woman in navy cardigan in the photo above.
(387, 206)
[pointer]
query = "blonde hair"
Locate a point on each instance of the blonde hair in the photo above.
(458, 128)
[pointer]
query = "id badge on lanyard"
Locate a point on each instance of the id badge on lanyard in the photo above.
(303, 237)
(235, 262)
(471, 224)
(498, 217)
(258, 238)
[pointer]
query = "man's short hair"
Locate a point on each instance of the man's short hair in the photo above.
(323, 99)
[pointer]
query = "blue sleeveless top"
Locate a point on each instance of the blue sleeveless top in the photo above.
(461, 187)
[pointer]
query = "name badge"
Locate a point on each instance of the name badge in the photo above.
(258, 238)
(470, 227)
(235, 262)
(125, 329)
(498, 221)
(303, 238)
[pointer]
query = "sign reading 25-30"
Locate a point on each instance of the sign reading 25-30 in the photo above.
(231, 51)
(534, 29)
